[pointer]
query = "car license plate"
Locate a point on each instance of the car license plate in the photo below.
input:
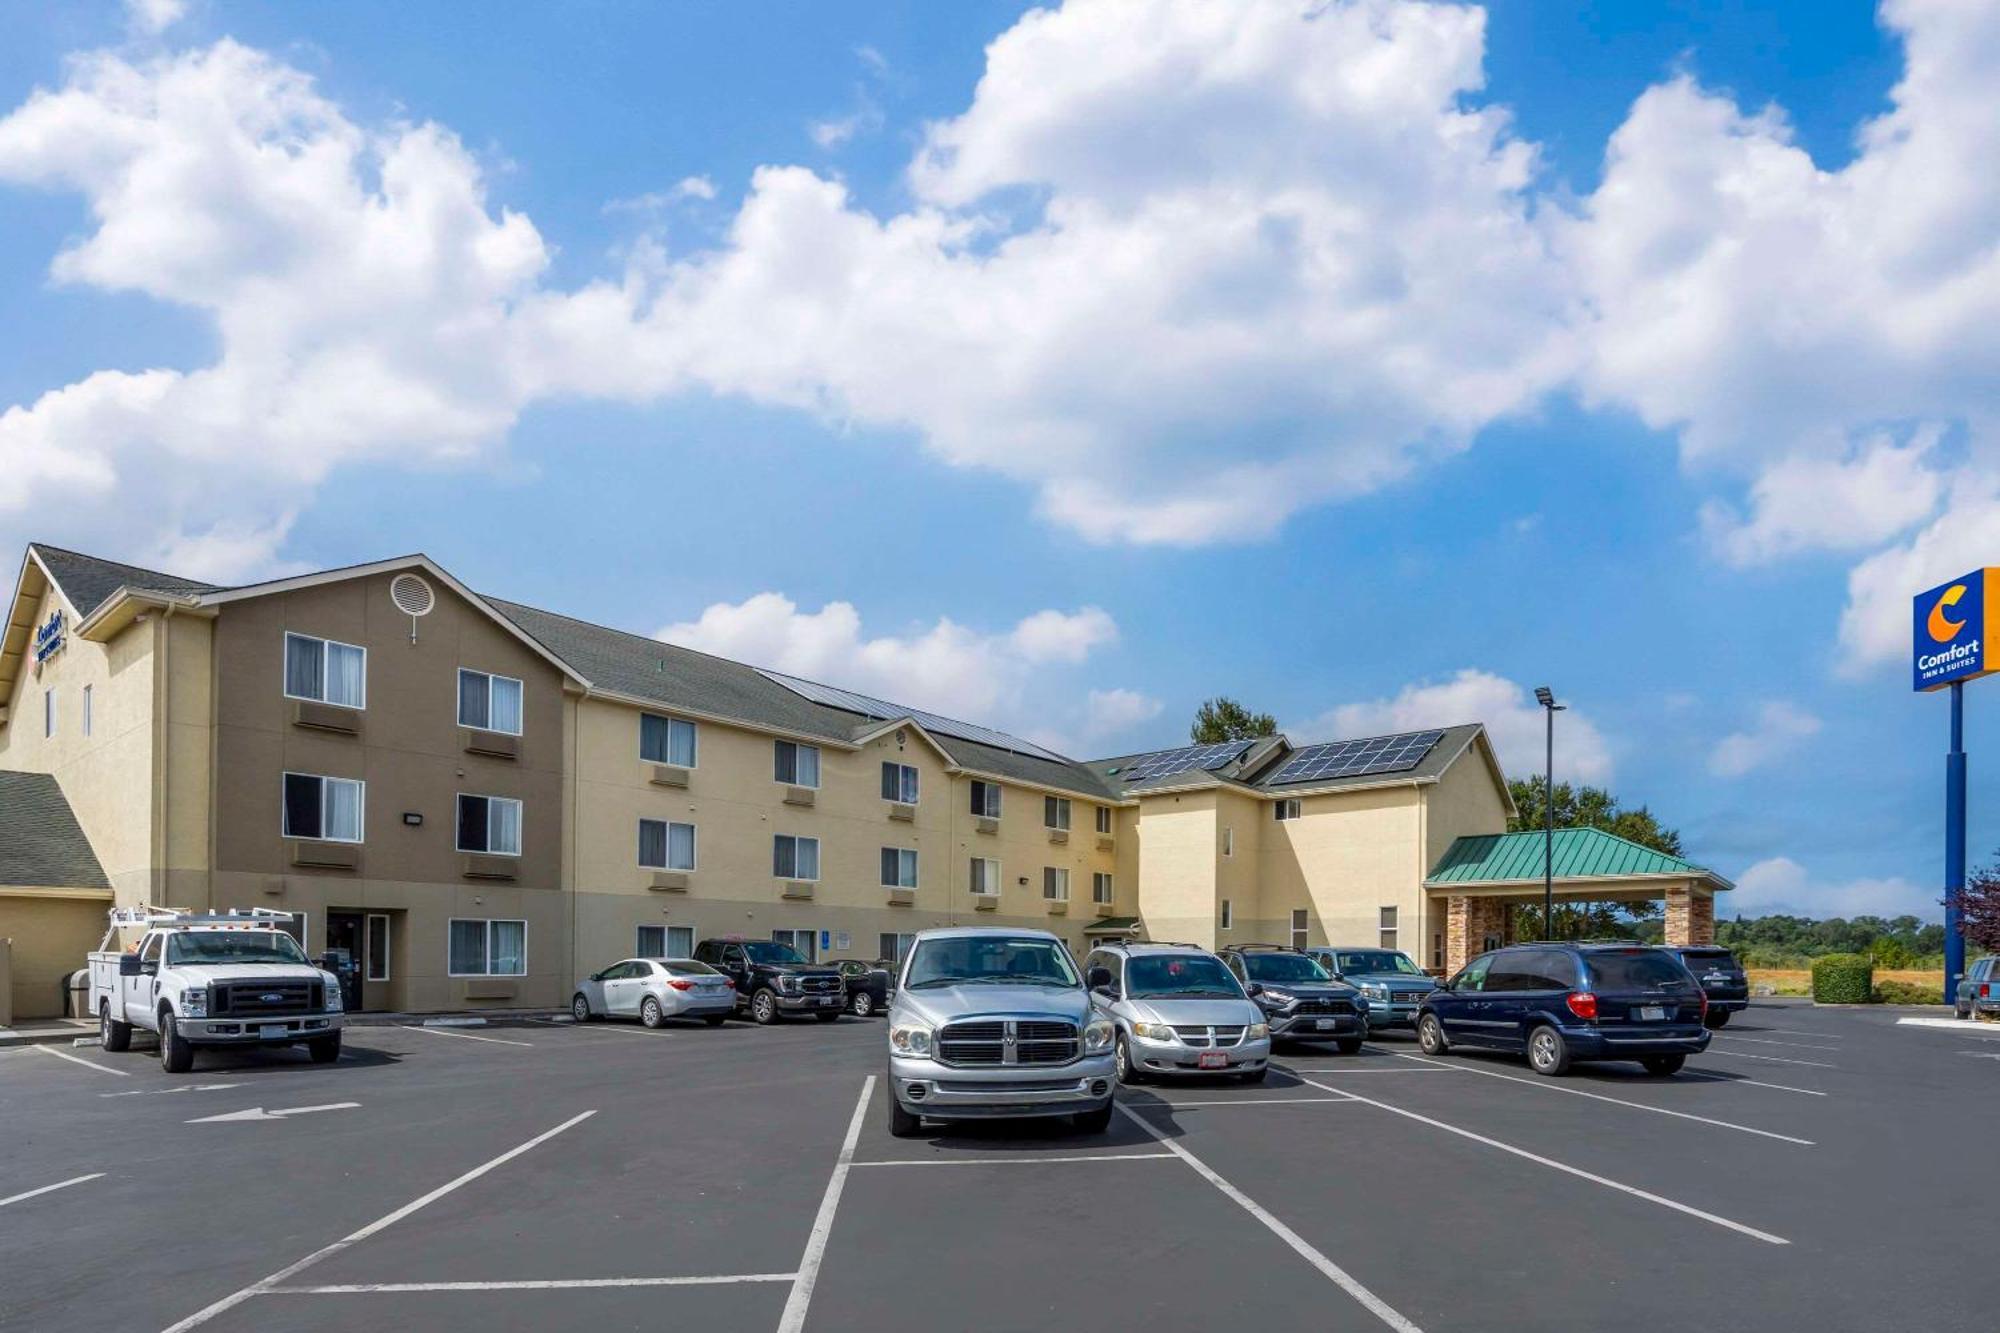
(827, 999)
(1651, 1013)
(1211, 1060)
(273, 1030)
(1325, 1025)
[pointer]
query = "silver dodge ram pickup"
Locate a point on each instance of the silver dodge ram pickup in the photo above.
(991, 1023)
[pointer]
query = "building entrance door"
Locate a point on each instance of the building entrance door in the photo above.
(343, 954)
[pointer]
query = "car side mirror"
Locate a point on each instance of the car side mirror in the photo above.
(1253, 990)
(129, 965)
(1099, 978)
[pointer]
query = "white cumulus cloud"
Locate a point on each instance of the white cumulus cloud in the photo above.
(1514, 723)
(1779, 729)
(1779, 884)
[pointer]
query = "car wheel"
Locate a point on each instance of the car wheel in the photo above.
(1715, 1018)
(903, 1124)
(1430, 1036)
(1962, 1011)
(1128, 1073)
(1663, 1065)
(1548, 1053)
(1254, 1076)
(863, 1004)
(324, 1050)
(764, 1007)
(579, 1008)
(1093, 1122)
(114, 1036)
(1348, 1045)
(650, 1013)
(176, 1054)
(714, 1020)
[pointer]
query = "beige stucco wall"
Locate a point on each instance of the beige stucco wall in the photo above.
(1177, 854)
(52, 930)
(1466, 801)
(1348, 854)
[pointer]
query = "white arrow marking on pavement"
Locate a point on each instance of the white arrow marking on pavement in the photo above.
(259, 1113)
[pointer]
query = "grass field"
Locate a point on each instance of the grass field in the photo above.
(1798, 980)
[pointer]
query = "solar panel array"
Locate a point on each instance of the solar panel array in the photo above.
(1163, 762)
(1355, 759)
(850, 702)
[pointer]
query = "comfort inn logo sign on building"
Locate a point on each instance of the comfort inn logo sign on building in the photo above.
(1950, 633)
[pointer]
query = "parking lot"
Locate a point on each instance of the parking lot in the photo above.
(1817, 1168)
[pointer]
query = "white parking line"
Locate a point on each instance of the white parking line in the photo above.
(1020, 1161)
(61, 1185)
(1336, 1069)
(1795, 1032)
(263, 1285)
(462, 1036)
(1245, 1101)
(185, 1087)
(797, 1303)
(87, 1064)
(1578, 1172)
(1761, 1041)
(544, 1284)
(1774, 1059)
(1547, 1086)
(1750, 1083)
(1339, 1276)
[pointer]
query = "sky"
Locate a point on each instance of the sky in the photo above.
(1058, 368)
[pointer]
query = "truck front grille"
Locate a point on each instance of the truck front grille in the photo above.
(267, 999)
(817, 985)
(1321, 1005)
(1007, 1042)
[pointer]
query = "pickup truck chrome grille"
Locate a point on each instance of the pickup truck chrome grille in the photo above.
(818, 985)
(1007, 1042)
(264, 999)
(1230, 1034)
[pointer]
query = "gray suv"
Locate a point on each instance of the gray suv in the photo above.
(989, 1023)
(1392, 984)
(1178, 1010)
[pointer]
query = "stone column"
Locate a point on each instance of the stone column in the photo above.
(1459, 946)
(1690, 916)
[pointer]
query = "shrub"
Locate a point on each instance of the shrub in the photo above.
(1906, 992)
(1842, 978)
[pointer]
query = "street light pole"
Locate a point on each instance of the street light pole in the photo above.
(1547, 699)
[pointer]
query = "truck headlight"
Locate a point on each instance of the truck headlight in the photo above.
(788, 983)
(910, 1040)
(1376, 993)
(194, 1002)
(1282, 999)
(1257, 1032)
(334, 1001)
(1098, 1034)
(1155, 1032)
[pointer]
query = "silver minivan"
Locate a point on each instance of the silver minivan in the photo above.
(1177, 1010)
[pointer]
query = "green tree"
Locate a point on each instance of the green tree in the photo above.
(1590, 807)
(1223, 719)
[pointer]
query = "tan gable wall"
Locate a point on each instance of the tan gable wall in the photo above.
(1177, 854)
(1466, 801)
(1347, 854)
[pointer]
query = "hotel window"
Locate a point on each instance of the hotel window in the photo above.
(665, 846)
(1228, 915)
(325, 809)
(1055, 812)
(88, 721)
(895, 948)
(490, 703)
(1104, 819)
(666, 942)
(325, 672)
(490, 824)
(1286, 809)
(899, 783)
(899, 868)
(986, 799)
(805, 941)
(1100, 887)
(1299, 934)
(1228, 840)
(48, 713)
(985, 877)
(666, 740)
(1387, 927)
(377, 946)
(795, 764)
(794, 858)
(488, 948)
(1055, 884)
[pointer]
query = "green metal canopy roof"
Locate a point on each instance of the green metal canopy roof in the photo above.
(1579, 853)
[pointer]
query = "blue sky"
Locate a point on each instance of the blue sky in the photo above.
(1370, 363)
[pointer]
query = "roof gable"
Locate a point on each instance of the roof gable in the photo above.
(1578, 853)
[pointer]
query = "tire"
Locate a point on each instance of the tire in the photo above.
(833, 1017)
(903, 1124)
(650, 1013)
(324, 1050)
(1959, 1011)
(579, 1009)
(1129, 1074)
(764, 1007)
(862, 1005)
(1662, 1065)
(1093, 1122)
(1715, 1018)
(714, 1020)
(176, 1052)
(1430, 1036)
(1254, 1076)
(116, 1036)
(1348, 1045)
(1548, 1053)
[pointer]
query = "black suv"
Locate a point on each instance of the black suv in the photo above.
(1721, 979)
(773, 979)
(1300, 998)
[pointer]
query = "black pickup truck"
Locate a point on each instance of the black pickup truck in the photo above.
(773, 980)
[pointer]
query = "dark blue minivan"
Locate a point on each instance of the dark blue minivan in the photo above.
(1561, 1003)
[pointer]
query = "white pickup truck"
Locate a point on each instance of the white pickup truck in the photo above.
(212, 979)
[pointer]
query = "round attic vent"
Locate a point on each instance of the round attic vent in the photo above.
(412, 596)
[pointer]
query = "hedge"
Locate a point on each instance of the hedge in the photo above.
(1843, 978)
(1905, 992)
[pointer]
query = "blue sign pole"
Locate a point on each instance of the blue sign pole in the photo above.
(1954, 845)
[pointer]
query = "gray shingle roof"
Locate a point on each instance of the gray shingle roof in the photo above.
(41, 844)
(88, 582)
(676, 677)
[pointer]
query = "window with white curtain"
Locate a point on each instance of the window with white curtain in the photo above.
(322, 808)
(1055, 884)
(666, 942)
(1055, 812)
(666, 846)
(490, 824)
(795, 764)
(1100, 887)
(488, 702)
(899, 868)
(1386, 927)
(1104, 819)
(326, 672)
(986, 799)
(794, 857)
(985, 876)
(667, 740)
(487, 948)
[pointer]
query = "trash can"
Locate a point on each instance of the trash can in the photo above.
(76, 993)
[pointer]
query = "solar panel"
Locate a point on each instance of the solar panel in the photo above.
(1360, 758)
(868, 706)
(1161, 763)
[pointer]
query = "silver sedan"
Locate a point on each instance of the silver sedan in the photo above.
(653, 990)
